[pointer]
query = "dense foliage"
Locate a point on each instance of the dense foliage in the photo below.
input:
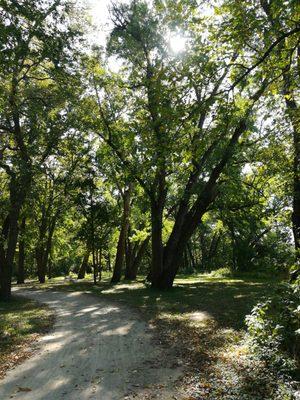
(274, 328)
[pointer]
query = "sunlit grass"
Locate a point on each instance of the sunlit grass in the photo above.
(225, 300)
(21, 321)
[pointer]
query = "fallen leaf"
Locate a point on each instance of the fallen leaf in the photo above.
(24, 389)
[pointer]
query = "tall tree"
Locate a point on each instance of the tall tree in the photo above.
(188, 115)
(35, 77)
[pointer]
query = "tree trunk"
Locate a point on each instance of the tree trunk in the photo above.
(156, 243)
(50, 265)
(40, 263)
(120, 256)
(131, 272)
(100, 264)
(9, 235)
(293, 113)
(187, 222)
(108, 261)
(129, 256)
(21, 259)
(7, 257)
(83, 267)
(44, 248)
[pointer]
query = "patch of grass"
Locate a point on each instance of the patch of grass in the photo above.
(224, 300)
(21, 322)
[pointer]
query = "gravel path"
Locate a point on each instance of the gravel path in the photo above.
(97, 350)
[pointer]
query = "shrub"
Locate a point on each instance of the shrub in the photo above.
(274, 331)
(224, 272)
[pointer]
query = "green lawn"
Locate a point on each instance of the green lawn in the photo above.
(21, 322)
(225, 301)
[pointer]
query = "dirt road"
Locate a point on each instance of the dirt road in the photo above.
(96, 351)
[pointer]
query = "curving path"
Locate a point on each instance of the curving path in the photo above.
(97, 351)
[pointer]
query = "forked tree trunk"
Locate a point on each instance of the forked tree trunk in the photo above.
(187, 221)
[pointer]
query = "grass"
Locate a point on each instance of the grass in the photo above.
(203, 319)
(225, 301)
(21, 322)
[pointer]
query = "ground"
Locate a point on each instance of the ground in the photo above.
(202, 320)
(21, 322)
(97, 350)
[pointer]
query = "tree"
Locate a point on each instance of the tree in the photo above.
(35, 78)
(277, 24)
(183, 127)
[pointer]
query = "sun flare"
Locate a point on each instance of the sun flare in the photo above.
(177, 43)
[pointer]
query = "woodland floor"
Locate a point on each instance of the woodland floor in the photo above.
(97, 350)
(22, 321)
(201, 322)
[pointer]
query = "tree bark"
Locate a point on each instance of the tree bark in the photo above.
(18, 190)
(44, 247)
(100, 264)
(156, 242)
(187, 220)
(83, 267)
(120, 256)
(132, 269)
(293, 112)
(21, 259)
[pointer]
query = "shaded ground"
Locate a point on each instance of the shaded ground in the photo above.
(202, 319)
(97, 350)
(22, 321)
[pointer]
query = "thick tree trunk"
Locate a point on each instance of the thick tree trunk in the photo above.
(83, 266)
(18, 188)
(7, 257)
(156, 243)
(9, 237)
(21, 259)
(187, 222)
(120, 256)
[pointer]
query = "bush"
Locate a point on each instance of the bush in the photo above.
(274, 331)
(224, 272)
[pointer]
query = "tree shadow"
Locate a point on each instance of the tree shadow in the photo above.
(97, 350)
